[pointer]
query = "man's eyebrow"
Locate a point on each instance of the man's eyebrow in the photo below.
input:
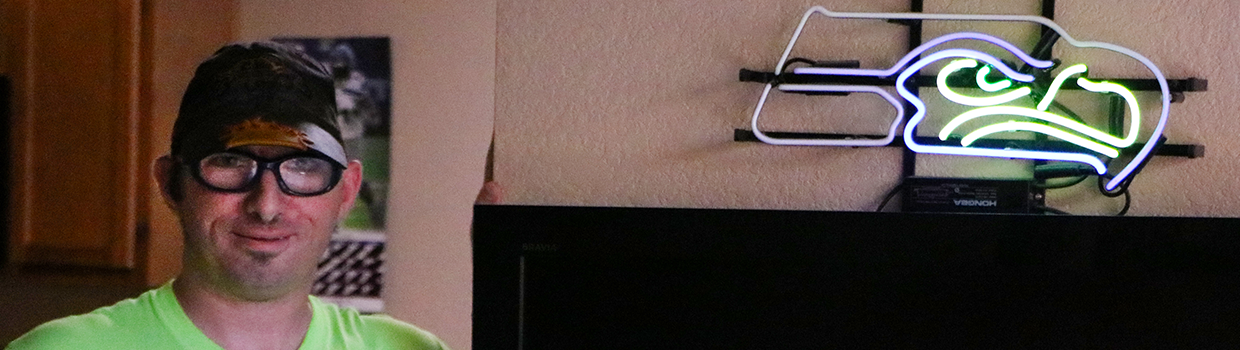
(294, 154)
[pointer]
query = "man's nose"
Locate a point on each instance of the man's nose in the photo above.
(266, 201)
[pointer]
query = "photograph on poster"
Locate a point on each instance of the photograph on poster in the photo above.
(351, 270)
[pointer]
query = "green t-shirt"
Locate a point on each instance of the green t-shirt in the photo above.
(155, 320)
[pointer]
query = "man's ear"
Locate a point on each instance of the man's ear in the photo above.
(168, 177)
(350, 183)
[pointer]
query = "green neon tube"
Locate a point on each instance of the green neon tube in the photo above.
(1040, 128)
(1032, 113)
(1133, 110)
(1058, 83)
(989, 86)
(969, 100)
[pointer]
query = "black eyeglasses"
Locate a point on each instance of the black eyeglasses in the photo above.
(301, 174)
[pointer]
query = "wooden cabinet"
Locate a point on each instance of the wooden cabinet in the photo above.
(76, 133)
(96, 85)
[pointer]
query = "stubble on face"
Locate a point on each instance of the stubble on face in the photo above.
(230, 265)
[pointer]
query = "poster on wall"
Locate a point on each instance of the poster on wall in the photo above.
(350, 272)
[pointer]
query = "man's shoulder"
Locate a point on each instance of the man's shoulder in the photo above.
(73, 332)
(126, 322)
(400, 331)
(378, 331)
(84, 331)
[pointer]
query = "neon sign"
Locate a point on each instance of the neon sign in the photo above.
(990, 109)
(1097, 147)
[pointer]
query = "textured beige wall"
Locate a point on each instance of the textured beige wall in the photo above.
(443, 67)
(632, 103)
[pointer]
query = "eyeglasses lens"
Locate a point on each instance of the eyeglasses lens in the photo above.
(306, 175)
(227, 171)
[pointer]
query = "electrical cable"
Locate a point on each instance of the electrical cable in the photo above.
(1119, 191)
(1122, 190)
(1046, 209)
(890, 194)
(1127, 203)
(1047, 184)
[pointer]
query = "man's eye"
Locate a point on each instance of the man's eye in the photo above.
(305, 165)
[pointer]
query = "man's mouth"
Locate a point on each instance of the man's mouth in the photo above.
(263, 238)
(265, 243)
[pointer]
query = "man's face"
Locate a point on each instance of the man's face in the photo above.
(263, 243)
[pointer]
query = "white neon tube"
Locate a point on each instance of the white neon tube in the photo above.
(891, 133)
(1120, 177)
(1162, 79)
(909, 57)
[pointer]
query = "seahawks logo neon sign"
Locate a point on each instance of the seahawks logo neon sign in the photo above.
(1096, 146)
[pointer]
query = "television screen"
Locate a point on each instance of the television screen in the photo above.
(584, 278)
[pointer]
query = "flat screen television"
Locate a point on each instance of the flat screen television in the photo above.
(656, 278)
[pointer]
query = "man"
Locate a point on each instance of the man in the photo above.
(259, 179)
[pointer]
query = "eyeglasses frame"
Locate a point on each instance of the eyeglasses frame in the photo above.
(263, 165)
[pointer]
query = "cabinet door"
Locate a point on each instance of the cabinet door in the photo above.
(76, 132)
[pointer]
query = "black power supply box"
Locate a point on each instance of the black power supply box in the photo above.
(960, 195)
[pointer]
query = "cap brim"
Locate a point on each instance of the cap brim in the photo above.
(306, 136)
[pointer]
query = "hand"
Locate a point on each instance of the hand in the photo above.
(490, 193)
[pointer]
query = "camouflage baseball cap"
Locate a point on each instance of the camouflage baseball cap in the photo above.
(259, 93)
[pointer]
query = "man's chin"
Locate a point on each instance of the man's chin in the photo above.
(260, 288)
(262, 258)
